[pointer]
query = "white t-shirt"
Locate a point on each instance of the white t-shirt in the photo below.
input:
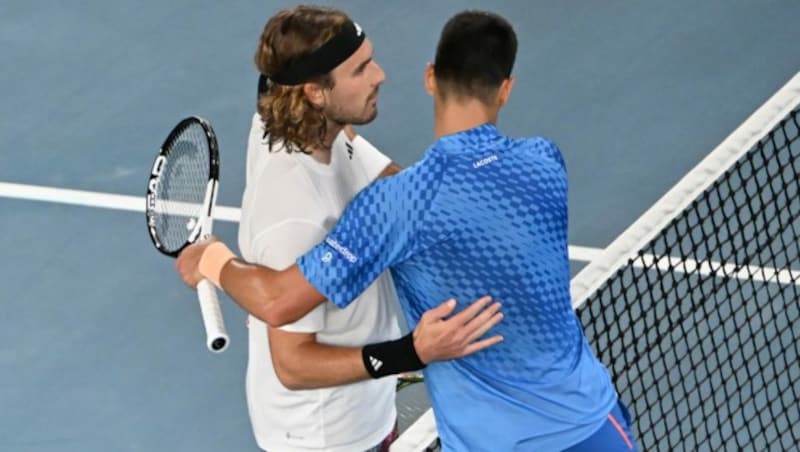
(290, 203)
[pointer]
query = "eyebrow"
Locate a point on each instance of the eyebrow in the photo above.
(363, 65)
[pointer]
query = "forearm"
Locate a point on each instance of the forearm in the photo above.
(275, 297)
(301, 362)
(316, 365)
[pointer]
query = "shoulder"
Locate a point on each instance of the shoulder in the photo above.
(542, 147)
(278, 187)
(273, 167)
(423, 176)
(259, 142)
(268, 160)
(406, 197)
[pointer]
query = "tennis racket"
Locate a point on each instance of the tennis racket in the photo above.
(181, 194)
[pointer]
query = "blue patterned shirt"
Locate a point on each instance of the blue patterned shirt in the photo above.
(480, 214)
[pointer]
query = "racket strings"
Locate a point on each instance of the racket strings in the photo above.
(181, 191)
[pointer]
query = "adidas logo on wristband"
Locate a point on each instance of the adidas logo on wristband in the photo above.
(376, 363)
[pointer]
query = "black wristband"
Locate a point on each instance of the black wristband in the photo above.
(391, 357)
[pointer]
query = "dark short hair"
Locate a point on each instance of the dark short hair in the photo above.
(475, 54)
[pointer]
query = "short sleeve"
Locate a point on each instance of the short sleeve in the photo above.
(382, 226)
(277, 247)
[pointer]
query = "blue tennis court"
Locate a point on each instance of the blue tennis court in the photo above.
(104, 347)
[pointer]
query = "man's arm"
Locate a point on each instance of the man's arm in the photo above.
(276, 297)
(296, 357)
(280, 295)
(301, 362)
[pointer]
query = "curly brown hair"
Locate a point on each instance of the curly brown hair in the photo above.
(285, 110)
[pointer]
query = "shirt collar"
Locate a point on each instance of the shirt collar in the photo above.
(475, 136)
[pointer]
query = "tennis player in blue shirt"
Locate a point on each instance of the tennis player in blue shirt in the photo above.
(481, 213)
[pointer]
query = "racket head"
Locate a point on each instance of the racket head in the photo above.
(181, 188)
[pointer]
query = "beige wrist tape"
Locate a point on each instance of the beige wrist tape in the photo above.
(213, 259)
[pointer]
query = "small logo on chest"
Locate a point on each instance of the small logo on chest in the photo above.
(485, 161)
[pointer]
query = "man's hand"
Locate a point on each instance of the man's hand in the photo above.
(189, 260)
(439, 339)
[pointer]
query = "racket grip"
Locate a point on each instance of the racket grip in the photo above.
(216, 336)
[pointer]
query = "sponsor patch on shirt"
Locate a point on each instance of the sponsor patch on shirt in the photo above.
(341, 249)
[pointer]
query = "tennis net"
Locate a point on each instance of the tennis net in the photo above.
(695, 308)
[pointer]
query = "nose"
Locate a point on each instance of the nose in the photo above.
(380, 76)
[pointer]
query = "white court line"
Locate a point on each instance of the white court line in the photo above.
(771, 275)
(233, 214)
(136, 204)
(418, 436)
(583, 253)
(95, 199)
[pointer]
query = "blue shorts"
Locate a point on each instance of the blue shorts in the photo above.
(614, 436)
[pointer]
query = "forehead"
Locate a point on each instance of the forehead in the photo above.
(362, 54)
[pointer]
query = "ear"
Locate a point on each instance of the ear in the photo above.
(430, 80)
(505, 91)
(315, 94)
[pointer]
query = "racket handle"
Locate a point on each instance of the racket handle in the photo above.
(216, 336)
